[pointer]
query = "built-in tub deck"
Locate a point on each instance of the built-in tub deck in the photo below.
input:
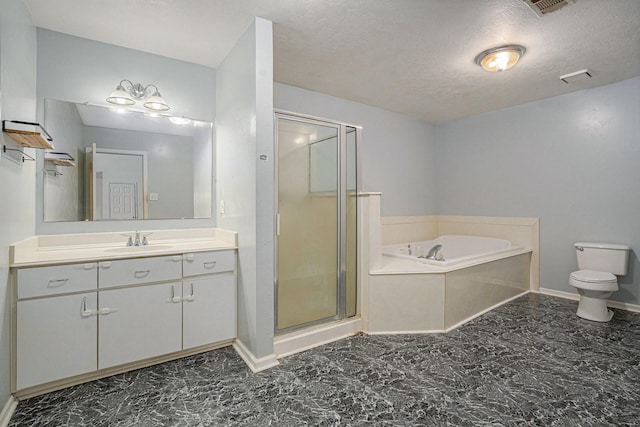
(411, 297)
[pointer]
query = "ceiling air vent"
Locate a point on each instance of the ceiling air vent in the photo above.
(542, 7)
(574, 77)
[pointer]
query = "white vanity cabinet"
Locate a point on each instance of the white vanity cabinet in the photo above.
(56, 323)
(78, 322)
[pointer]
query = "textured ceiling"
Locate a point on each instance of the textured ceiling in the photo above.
(410, 56)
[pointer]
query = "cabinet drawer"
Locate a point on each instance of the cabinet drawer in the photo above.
(139, 270)
(41, 281)
(198, 263)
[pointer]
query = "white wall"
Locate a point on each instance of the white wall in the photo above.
(398, 153)
(17, 102)
(80, 70)
(572, 160)
(244, 131)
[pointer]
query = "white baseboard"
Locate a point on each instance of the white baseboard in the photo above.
(295, 342)
(573, 296)
(256, 364)
(7, 411)
(412, 332)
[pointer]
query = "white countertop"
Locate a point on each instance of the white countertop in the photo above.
(72, 248)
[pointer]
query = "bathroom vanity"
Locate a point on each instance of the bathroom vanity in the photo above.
(96, 307)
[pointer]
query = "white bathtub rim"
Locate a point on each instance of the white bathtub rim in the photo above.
(394, 265)
(484, 246)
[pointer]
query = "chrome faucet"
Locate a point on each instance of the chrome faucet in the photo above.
(433, 253)
(137, 242)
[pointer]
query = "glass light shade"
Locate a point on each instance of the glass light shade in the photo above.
(120, 97)
(156, 103)
(500, 58)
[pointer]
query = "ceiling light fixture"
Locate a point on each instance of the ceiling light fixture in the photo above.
(500, 58)
(128, 93)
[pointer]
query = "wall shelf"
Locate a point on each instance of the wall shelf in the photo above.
(27, 138)
(59, 159)
(23, 135)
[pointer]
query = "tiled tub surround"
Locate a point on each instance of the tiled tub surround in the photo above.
(530, 362)
(93, 308)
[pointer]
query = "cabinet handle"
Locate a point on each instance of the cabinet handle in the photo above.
(107, 310)
(191, 296)
(141, 273)
(174, 298)
(57, 282)
(85, 311)
(210, 264)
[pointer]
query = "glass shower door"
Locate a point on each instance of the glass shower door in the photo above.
(308, 220)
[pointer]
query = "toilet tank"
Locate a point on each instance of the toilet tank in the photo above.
(611, 257)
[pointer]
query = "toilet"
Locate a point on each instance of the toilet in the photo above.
(599, 263)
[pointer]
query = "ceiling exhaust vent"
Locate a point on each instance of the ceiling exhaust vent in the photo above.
(542, 7)
(574, 77)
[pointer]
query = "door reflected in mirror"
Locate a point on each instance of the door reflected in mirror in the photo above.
(128, 165)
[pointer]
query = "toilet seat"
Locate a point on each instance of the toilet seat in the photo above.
(594, 280)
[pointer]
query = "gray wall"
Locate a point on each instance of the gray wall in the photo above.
(170, 166)
(398, 153)
(17, 102)
(572, 160)
(64, 194)
(80, 70)
(244, 131)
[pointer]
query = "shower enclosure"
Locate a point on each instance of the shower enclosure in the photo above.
(316, 221)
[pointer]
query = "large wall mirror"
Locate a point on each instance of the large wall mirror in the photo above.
(126, 165)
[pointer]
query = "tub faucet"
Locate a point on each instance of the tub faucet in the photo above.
(433, 252)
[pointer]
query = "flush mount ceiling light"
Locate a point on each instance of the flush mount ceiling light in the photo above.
(500, 58)
(128, 93)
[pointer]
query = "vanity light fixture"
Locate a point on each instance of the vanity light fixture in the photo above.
(179, 120)
(500, 58)
(128, 93)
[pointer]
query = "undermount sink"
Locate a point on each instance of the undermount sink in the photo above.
(136, 249)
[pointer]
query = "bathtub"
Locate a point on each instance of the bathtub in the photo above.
(455, 249)
(408, 294)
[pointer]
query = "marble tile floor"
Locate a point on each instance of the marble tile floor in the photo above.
(530, 362)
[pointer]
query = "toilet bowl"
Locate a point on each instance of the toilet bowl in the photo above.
(594, 288)
(596, 280)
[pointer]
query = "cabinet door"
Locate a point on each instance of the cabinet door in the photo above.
(138, 323)
(209, 310)
(56, 338)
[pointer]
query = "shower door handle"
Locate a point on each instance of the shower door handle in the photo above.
(277, 224)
